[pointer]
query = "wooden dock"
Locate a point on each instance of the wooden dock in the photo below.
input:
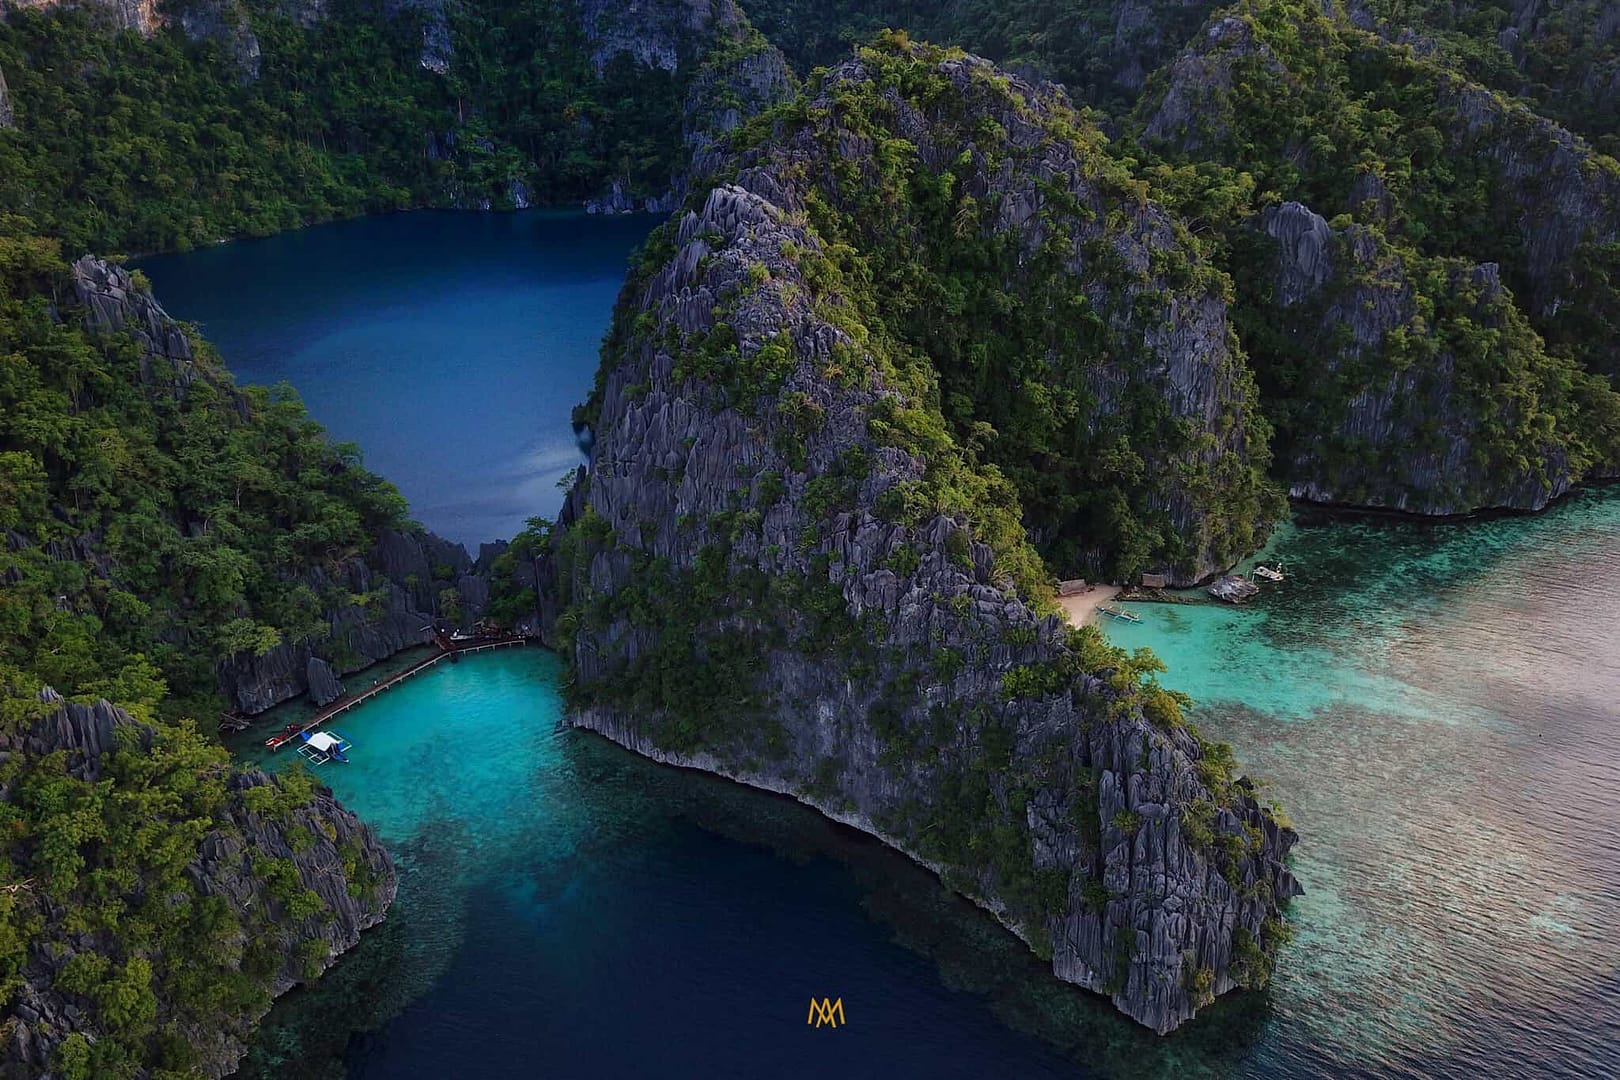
(349, 701)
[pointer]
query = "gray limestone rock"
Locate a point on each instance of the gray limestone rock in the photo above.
(944, 675)
(117, 306)
(323, 841)
(1376, 428)
(324, 687)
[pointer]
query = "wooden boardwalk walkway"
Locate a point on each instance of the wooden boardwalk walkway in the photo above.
(349, 701)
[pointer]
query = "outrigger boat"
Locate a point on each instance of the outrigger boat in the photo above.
(323, 746)
(1269, 573)
(1118, 613)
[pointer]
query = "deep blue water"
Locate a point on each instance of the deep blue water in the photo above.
(1438, 708)
(452, 347)
(570, 910)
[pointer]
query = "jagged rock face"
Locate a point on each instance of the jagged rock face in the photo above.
(1530, 193)
(1558, 193)
(1141, 42)
(321, 839)
(1074, 229)
(141, 16)
(1186, 111)
(739, 75)
(655, 33)
(226, 23)
(8, 116)
(116, 305)
(324, 687)
(725, 93)
(760, 578)
(1383, 424)
(405, 573)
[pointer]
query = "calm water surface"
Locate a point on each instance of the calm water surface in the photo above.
(1437, 708)
(451, 346)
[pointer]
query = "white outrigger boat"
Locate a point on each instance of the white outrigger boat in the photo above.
(323, 746)
(1118, 613)
(1269, 573)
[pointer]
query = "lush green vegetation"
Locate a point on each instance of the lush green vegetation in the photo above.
(1083, 46)
(1350, 123)
(1472, 366)
(1562, 61)
(154, 530)
(93, 878)
(130, 144)
(1341, 121)
(156, 519)
(1012, 340)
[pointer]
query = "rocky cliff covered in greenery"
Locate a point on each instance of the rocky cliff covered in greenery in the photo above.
(154, 899)
(221, 118)
(173, 542)
(790, 564)
(1426, 269)
(166, 537)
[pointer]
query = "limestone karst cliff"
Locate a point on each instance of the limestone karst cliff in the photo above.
(785, 567)
(259, 883)
(1345, 121)
(148, 550)
(1414, 384)
(1085, 350)
(1424, 267)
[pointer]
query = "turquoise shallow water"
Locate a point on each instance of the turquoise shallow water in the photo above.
(1436, 707)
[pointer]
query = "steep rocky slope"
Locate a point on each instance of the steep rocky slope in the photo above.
(1561, 56)
(1347, 122)
(165, 898)
(196, 537)
(1446, 342)
(730, 73)
(1414, 384)
(783, 566)
(1100, 51)
(1086, 350)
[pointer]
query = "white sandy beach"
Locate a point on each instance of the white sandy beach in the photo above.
(1082, 607)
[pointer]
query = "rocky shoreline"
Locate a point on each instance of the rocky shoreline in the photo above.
(337, 860)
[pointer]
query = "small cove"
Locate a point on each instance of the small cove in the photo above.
(1437, 708)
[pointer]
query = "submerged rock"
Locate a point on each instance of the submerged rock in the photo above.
(1233, 588)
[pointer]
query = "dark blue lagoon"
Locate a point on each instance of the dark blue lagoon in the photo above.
(451, 347)
(1437, 707)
